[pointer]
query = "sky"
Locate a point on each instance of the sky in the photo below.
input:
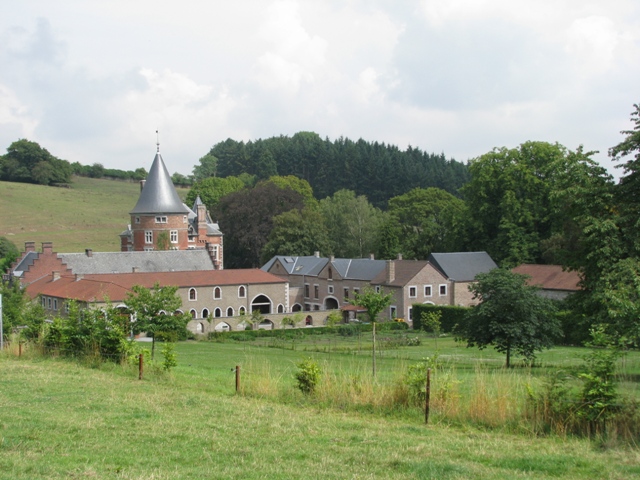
(92, 81)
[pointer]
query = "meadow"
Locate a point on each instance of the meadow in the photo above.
(68, 419)
(90, 214)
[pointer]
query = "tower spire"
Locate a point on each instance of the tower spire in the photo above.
(157, 141)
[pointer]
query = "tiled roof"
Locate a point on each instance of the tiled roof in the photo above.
(159, 195)
(462, 266)
(115, 287)
(550, 277)
(405, 270)
(124, 262)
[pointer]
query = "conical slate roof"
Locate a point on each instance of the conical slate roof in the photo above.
(159, 195)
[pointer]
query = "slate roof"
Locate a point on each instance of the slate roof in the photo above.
(159, 195)
(462, 266)
(25, 263)
(116, 286)
(405, 270)
(347, 268)
(550, 277)
(123, 262)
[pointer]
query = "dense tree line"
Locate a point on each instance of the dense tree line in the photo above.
(28, 162)
(377, 170)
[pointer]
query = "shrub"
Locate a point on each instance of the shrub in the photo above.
(452, 318)
(170, 357)
(308, 375)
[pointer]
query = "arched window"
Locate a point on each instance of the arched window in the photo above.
(296, 307)
(280, 308)
(262, 303)
(193, 295)
(229, 312)
(242, 311)
(205, 313)
(217, 313)
(242, 291)
(217, 293)
(193, 313)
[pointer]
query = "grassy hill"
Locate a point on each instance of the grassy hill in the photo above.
(90, 214)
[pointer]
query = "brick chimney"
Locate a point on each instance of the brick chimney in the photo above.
(399, 256)
(55, 275)
(29, 247)
(316, 254)
(390, 271)
(372, 256)
(331, 258)
(47, 248)
(88, 252)
(135, 269)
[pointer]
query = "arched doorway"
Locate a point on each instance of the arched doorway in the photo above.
(261, 303)
(331, 303)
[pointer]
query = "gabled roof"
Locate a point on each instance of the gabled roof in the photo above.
(405, 271)
(124, 262)
(159, 195)
(462, 266)
(550, 277)
(116, 286)
(347, 268)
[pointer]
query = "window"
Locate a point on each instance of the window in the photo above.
(443, 290)
(356, 290)
(173, 235)
(161, 219)
(330, 274)
(205, 313)
(427, 290)
(137, 219)
(242, 291)
(413, 292)
(409, 313)
(148, 236)
(49, 302)
(184, 219)
(193, 295)
(393, 311)
(306, 290)
(242, 311)
(280, 308)
(66, 307)
(377, 288)
(217, 313)
(229, 312)
(316, 291)
(193, 313)
(330, 289)
(44, 302)
(346, 294)
(148, 249)
(217, 293)
(55, 304)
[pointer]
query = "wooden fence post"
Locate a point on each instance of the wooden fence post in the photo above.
(428, 394)
(237, 378)
(140, 366)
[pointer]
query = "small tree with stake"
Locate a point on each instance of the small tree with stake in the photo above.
(511, 316)
(374, 302)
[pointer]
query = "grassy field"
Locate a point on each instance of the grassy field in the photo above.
(90, 214)
(59, 419)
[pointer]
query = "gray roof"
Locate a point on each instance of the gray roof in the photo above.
(348, 268)
(124, 262)
(24, 263)
(159, 195)
(462, 266)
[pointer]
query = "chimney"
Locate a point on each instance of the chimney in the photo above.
(331, 258)
(29, 247)
(47, 248)
(390, 271)
(142, 182)
(135, 269)
(79, 276)
(55, 275)
(88, 252)
(399, 256)
(316, 254)
(372, 256)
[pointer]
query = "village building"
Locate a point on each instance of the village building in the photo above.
(322, 283)
(554, 282)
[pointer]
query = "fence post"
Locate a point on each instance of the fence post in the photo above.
(140, 366)
(428, 394)
(237, 378)
(19, 349)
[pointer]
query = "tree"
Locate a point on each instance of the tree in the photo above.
(26, 161)
(18, 310)
(374, 302)
(511, 316)
(208, 167)
(153, 310)
(212, 189)
(353, 224)
(9, 253)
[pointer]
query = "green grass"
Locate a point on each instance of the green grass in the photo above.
(90, 214)
(59, 419)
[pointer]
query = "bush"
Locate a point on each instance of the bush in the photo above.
(308, 375)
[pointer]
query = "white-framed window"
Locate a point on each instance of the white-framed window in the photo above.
(409, 313)
(413, 292)
(356, 290)
(66, 307)
(193, 313)
(242, 291)
(217, 293)
(229, 312)
(330, 289)
(148, 236)
(346, 293)
(217, 313)
(44, 302)
(184, 219)
(215, 252)
(205, 313)
(49, 303)
(393, 311)
(173, 236)
(148, 249)
(427, 291)
(55, 304)
(242, 311)
(377, 288)
(443, 289)
(193, 294)
(137, 219)
(161, 219)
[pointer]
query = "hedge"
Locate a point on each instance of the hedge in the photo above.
(451, 317)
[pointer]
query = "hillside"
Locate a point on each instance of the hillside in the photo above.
(90, 214)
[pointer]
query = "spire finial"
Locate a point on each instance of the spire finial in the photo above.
(157, 141)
